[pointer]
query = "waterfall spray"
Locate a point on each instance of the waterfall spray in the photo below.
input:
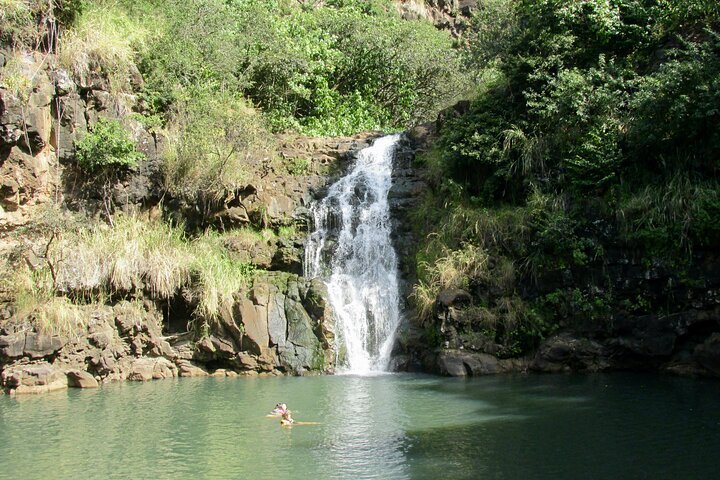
(352, 251)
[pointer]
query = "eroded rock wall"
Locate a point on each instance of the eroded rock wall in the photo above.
(281, 325)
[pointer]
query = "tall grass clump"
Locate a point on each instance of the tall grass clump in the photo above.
(103, 36)
(135, 256)
(34, 298)
(455, 269)
(131, 255)
(681, 212)
(216, 278)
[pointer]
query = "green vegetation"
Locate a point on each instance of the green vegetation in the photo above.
(107, 147)
(215, 144)
(596, 125)
(15, 79)
(326, 70)
(103, 37)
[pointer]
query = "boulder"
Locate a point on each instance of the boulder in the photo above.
(566, 352)
(458, 363)
(141, 370)
(189, 369)
(303, 350)
(453, 297)
(39, 345)
(146, 369)
(72, 127)
(254, 319)
(288, 258)
(34, 378)
(12, 345)
(164, 368)
(707, 354)
(316, 304)
(247, 361)
(277, 322)
(81, 379)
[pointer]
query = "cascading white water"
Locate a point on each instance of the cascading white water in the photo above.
(351, 250)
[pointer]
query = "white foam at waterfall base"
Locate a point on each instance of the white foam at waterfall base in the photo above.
(352, 251)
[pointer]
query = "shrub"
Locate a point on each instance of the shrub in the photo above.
(217, 142)
(106, 148)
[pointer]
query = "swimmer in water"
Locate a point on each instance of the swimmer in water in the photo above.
(278, 410)
(286, 419)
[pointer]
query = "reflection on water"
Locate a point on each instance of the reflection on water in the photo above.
(364, 422)
(391, 426)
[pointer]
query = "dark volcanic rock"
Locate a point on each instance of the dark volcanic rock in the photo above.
(565, 352)
(708, 354)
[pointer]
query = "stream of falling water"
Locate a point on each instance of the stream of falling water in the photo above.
(351, 251)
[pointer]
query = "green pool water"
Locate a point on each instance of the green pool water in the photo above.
(388, 427)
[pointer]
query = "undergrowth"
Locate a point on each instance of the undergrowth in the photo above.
(134, 258)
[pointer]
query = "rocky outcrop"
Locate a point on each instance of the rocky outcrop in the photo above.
(29, 169)
(33, 378)
(281, 194)
(408, 187)
(81, 379)
(281, 325)
(459, 363)
(39, 123)
(451, 15)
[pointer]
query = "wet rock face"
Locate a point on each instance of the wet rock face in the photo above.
(284, 324)
(462, 363)
(281, 194)
(408, 186)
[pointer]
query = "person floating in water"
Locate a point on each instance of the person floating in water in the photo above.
(285, 415)
(286, 419)
(278, 410)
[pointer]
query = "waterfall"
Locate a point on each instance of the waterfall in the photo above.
(351, 251)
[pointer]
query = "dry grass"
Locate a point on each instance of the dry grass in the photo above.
(132, 255)
(17, 22)
(59, 316)
(216, 277)
(134, 258)
(34, 299)
(453, 270)
(139, 257)
(15, 77)
(104, 37)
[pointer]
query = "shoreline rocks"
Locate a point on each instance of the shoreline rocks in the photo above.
(282, 325)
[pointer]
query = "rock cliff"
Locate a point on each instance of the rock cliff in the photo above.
(279, 324)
